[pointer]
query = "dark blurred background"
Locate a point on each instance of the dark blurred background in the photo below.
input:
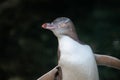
(27, 51)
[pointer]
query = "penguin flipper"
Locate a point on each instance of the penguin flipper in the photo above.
(108, 61)
(54, 74)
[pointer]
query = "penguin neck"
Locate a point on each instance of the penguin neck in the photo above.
(67, 43)
(72, 36)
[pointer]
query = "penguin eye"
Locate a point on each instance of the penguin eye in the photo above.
(61, 25)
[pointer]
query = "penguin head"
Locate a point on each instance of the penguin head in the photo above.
(60, 26)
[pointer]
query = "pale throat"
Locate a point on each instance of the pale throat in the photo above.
(71, 49)
(68, 44)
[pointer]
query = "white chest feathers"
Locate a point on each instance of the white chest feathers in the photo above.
(76, 60)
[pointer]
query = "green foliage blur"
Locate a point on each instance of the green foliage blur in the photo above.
(27, 51)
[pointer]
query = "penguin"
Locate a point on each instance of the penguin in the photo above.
(76, 60)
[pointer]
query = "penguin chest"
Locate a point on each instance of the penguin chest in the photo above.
(77, 69)
(77, 61)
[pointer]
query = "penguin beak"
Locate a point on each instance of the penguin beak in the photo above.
(48, 26)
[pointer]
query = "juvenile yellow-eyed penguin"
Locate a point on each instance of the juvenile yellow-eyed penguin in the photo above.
(76, 60)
